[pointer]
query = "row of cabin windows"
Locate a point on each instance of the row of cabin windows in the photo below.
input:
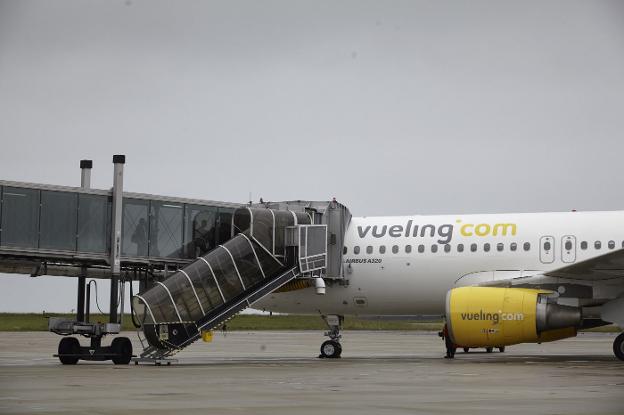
(446, 248)
(513, 246)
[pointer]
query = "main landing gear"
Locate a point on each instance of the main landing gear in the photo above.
(618, 346)
(331, 349)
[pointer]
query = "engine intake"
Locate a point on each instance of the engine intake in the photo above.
(493, 317)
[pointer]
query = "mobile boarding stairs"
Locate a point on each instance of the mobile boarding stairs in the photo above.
(271, 245)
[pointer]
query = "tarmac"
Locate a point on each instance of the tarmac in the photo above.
(278, 373)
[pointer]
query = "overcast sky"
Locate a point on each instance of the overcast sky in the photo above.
(394, 107)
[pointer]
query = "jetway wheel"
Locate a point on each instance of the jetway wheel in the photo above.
(331, 349)
(122, 348)
(69, 345)
(618, 346)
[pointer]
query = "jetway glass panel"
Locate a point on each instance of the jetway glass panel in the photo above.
(20, 217)
(135, 228)
(224, 225)
(246, 262)
(58, 217)
(184, 297)
(204, 284)
(94, 221)
(242, 220)
(165, 231)
(200, 230)
(163, 305)
(226, 274)
(263, 227)
(282, 220)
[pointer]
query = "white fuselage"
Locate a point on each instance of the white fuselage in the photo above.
(425, 256)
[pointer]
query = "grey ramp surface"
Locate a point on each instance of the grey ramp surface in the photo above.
(278, 373)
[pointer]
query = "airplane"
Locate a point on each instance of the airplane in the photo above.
(499, 279)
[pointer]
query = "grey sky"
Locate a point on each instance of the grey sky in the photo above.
(392, 107)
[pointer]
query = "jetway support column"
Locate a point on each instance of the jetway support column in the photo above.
(85, 183)
(118, 161)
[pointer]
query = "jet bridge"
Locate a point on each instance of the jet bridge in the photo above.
(270, 247)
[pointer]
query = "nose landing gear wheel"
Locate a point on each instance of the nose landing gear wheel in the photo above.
(331, 349)
(618, 346)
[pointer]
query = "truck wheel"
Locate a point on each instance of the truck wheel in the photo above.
(618, 346)
(122, 348)
(69, 345)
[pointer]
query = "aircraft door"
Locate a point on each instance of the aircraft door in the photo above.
(547, 249)
(568, 248)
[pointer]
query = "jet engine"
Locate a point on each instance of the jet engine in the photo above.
(495, 317)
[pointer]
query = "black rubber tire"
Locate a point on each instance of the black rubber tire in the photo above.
(618, 346)
(331, 349)
(69, 345)
(501, 349)
(489, 349)
(466, 349)
(122, 347)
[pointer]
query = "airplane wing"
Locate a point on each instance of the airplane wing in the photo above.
(604, 267)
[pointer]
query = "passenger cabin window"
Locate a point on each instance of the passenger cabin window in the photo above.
(382, 249)
(513, 246)
(434, 248)
(408, 249)
(597, 245)
(395, 249)
(421, 248)
(356, 250)
(369, 249)
(584, 245)
(486, 247)
(473, 248)
(611, 244)
(527, 246)
(500, 247)
(460, 247)
(344, 250)
(447, 248)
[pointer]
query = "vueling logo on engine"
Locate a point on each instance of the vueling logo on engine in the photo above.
(493, 317)
(444, 232)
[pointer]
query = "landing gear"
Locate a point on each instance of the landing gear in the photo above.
(331, 349)
(489, 349)
(466, 349)
(618, 346)
(501, 349)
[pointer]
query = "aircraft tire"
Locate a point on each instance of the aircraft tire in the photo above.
(618, 346)
(489, 349)
(331, 349)
(501, 349)
(466, 349)
(69, 345)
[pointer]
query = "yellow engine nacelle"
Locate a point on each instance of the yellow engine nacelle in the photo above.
(493, 317)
